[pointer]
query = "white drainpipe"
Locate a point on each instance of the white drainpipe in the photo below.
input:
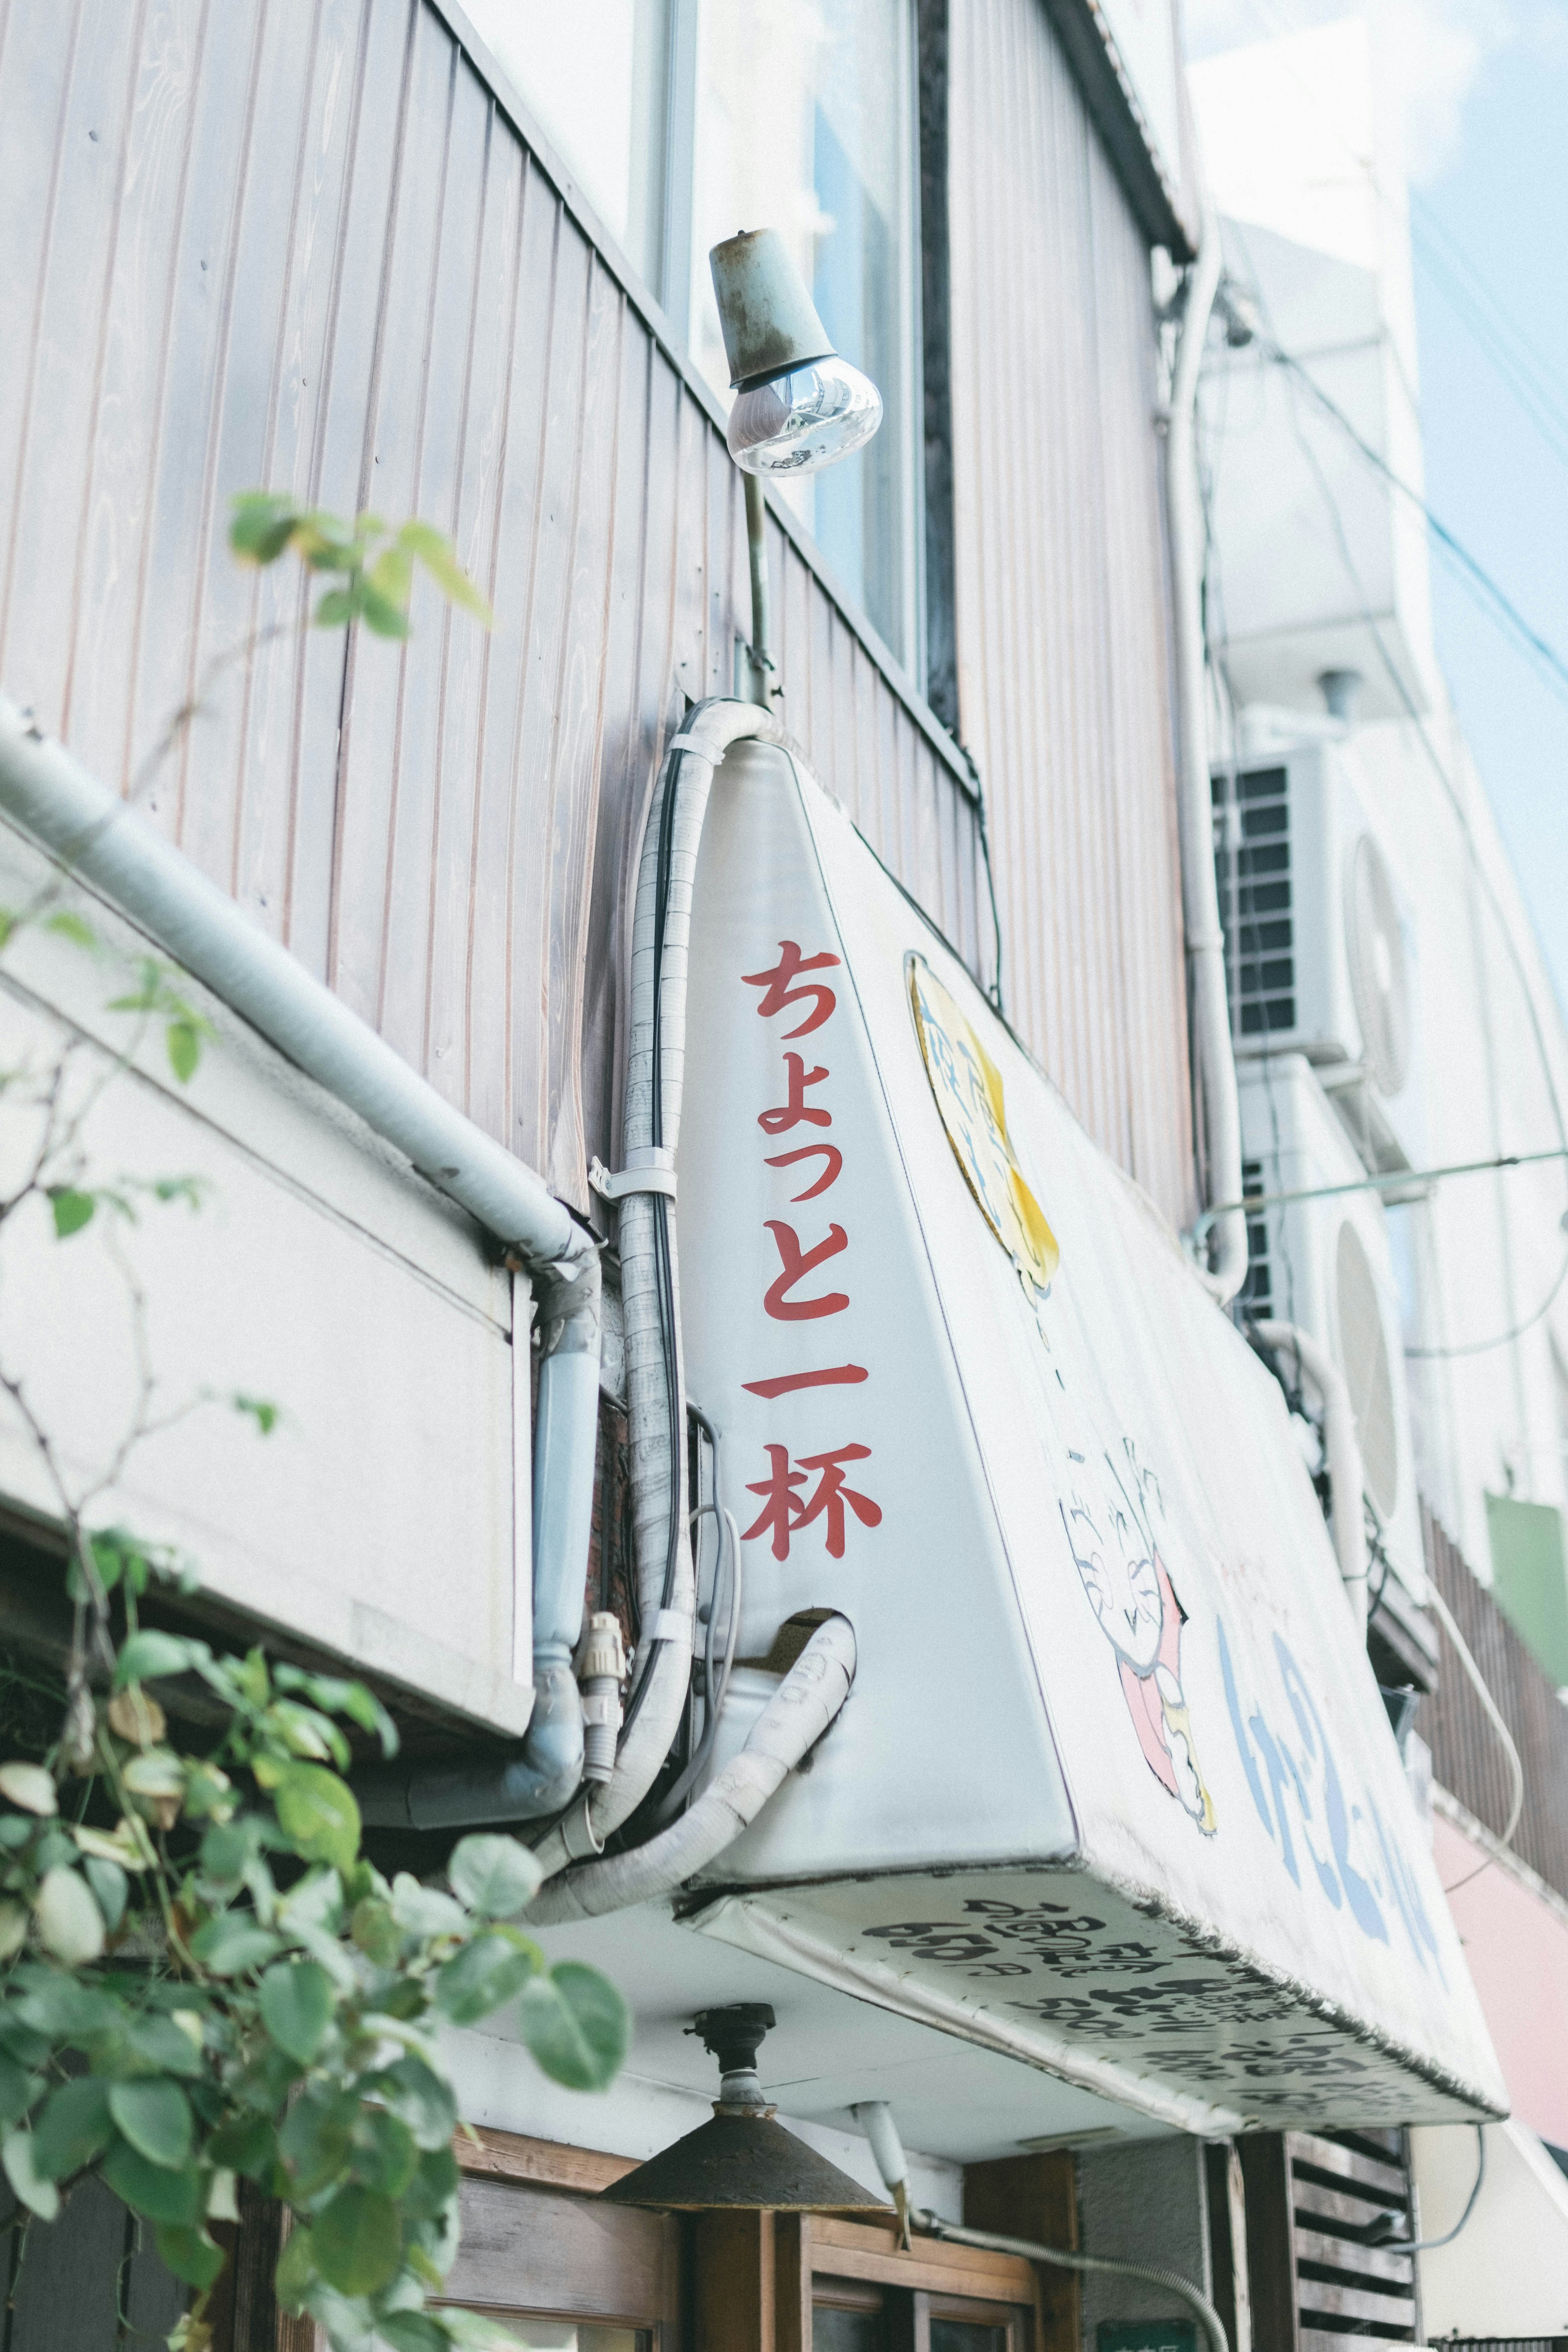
(1226, 1268)
(650, 1278)
(93, 834)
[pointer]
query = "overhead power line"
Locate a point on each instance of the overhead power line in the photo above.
(1529, 639)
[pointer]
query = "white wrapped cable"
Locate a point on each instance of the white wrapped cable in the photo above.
(794, 1718)
(1343, 1448)
(650, 1285)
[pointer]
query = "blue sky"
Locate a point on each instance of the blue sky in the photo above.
(1493, 475)
(1485, 100)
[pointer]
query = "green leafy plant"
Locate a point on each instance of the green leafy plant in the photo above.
(216, 1984)
(374, 562)
(203, 1980)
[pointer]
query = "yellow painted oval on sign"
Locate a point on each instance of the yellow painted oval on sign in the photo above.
(968, 1089)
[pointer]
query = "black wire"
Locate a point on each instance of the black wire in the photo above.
(664, 1275)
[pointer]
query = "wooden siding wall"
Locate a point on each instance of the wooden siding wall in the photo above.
(1467, 1758)
(296, 243)
(1063, 669)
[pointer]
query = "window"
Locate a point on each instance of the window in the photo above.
(687, 119)
(849, 2317)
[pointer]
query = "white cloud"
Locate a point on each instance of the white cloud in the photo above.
(1429, 53)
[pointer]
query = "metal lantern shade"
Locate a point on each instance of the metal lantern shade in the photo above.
(743, 2157)
(748, 2160)
(769, 322)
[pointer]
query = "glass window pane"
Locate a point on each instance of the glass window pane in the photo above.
(966, 2335)
(845, 2331)
(805, 124)
(570, 2335)
(593, 72)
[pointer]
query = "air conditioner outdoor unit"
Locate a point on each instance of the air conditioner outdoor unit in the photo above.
(1317, 943)
(1326, 1264)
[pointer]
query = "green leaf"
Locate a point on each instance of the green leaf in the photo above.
(316, 2137)
(69, 1921)
(436, 553)
(263, 1414)
(149, 1656)
(476, 2331)
(74, 2127)
(390, 578)
(244, 2144)
(151, 2190)
(386, 2158)
(485, 1973)
(339, 606)
(377, 1932)
(19, 2089)
(353, 1699)
(296, 2270)
(416, 2093)
(161, 2046)
(73, 1209)
(433, 2186)
(318, 1814)
(189, 2254)
(184, 1041)
(29, 1786)
(66, 2011)
(296, 2002)
(67, 924)
(232, 1944)
(386, 619)
(13, 1927)
(38, 2194)
(413, 2331)
(576, 2024)
(262, 524)
(154, 2116)
(496, 1876)
(425, 1911)
(358, 2242)
(109, 1886)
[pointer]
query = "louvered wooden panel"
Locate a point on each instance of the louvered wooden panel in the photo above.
(305, 246)
(1344, 2190)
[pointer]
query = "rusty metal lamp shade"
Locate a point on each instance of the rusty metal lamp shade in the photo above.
(799, 406)
(743, 2157)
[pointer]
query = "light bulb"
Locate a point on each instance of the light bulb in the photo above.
(795, 423)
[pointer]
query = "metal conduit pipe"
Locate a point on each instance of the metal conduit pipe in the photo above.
(876, 2118)
(650, 1283)
(1065, 2258)
(805, 1702)
(96, 836)
(1227, 1267)
(1343, 1448)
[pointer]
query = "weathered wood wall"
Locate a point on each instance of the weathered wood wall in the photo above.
(296, 243)
(1065, 691)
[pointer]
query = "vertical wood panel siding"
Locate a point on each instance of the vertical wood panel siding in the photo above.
(296, 243)
(1064, 684)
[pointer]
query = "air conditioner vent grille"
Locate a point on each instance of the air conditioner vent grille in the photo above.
(1364, 1355)
(1252, 863)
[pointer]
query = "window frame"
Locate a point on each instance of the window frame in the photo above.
(663, 312)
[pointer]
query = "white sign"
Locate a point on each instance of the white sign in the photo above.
(1115, 1789)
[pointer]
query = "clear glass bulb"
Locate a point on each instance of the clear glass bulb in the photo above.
(796, 423)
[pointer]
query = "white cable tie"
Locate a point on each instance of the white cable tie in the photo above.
(670, 1625)
(657, 1176)
(693, 743)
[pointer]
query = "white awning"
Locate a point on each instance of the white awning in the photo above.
(1506, 2274)
(1115, 1792)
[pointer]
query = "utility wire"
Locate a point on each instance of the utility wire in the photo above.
(1546, 654)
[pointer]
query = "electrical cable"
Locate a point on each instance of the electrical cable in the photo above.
(664, 1272)
(1481, 1347)
(1396, 2245)
(1555, 667)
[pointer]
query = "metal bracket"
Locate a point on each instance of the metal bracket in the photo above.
(656, 1176)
